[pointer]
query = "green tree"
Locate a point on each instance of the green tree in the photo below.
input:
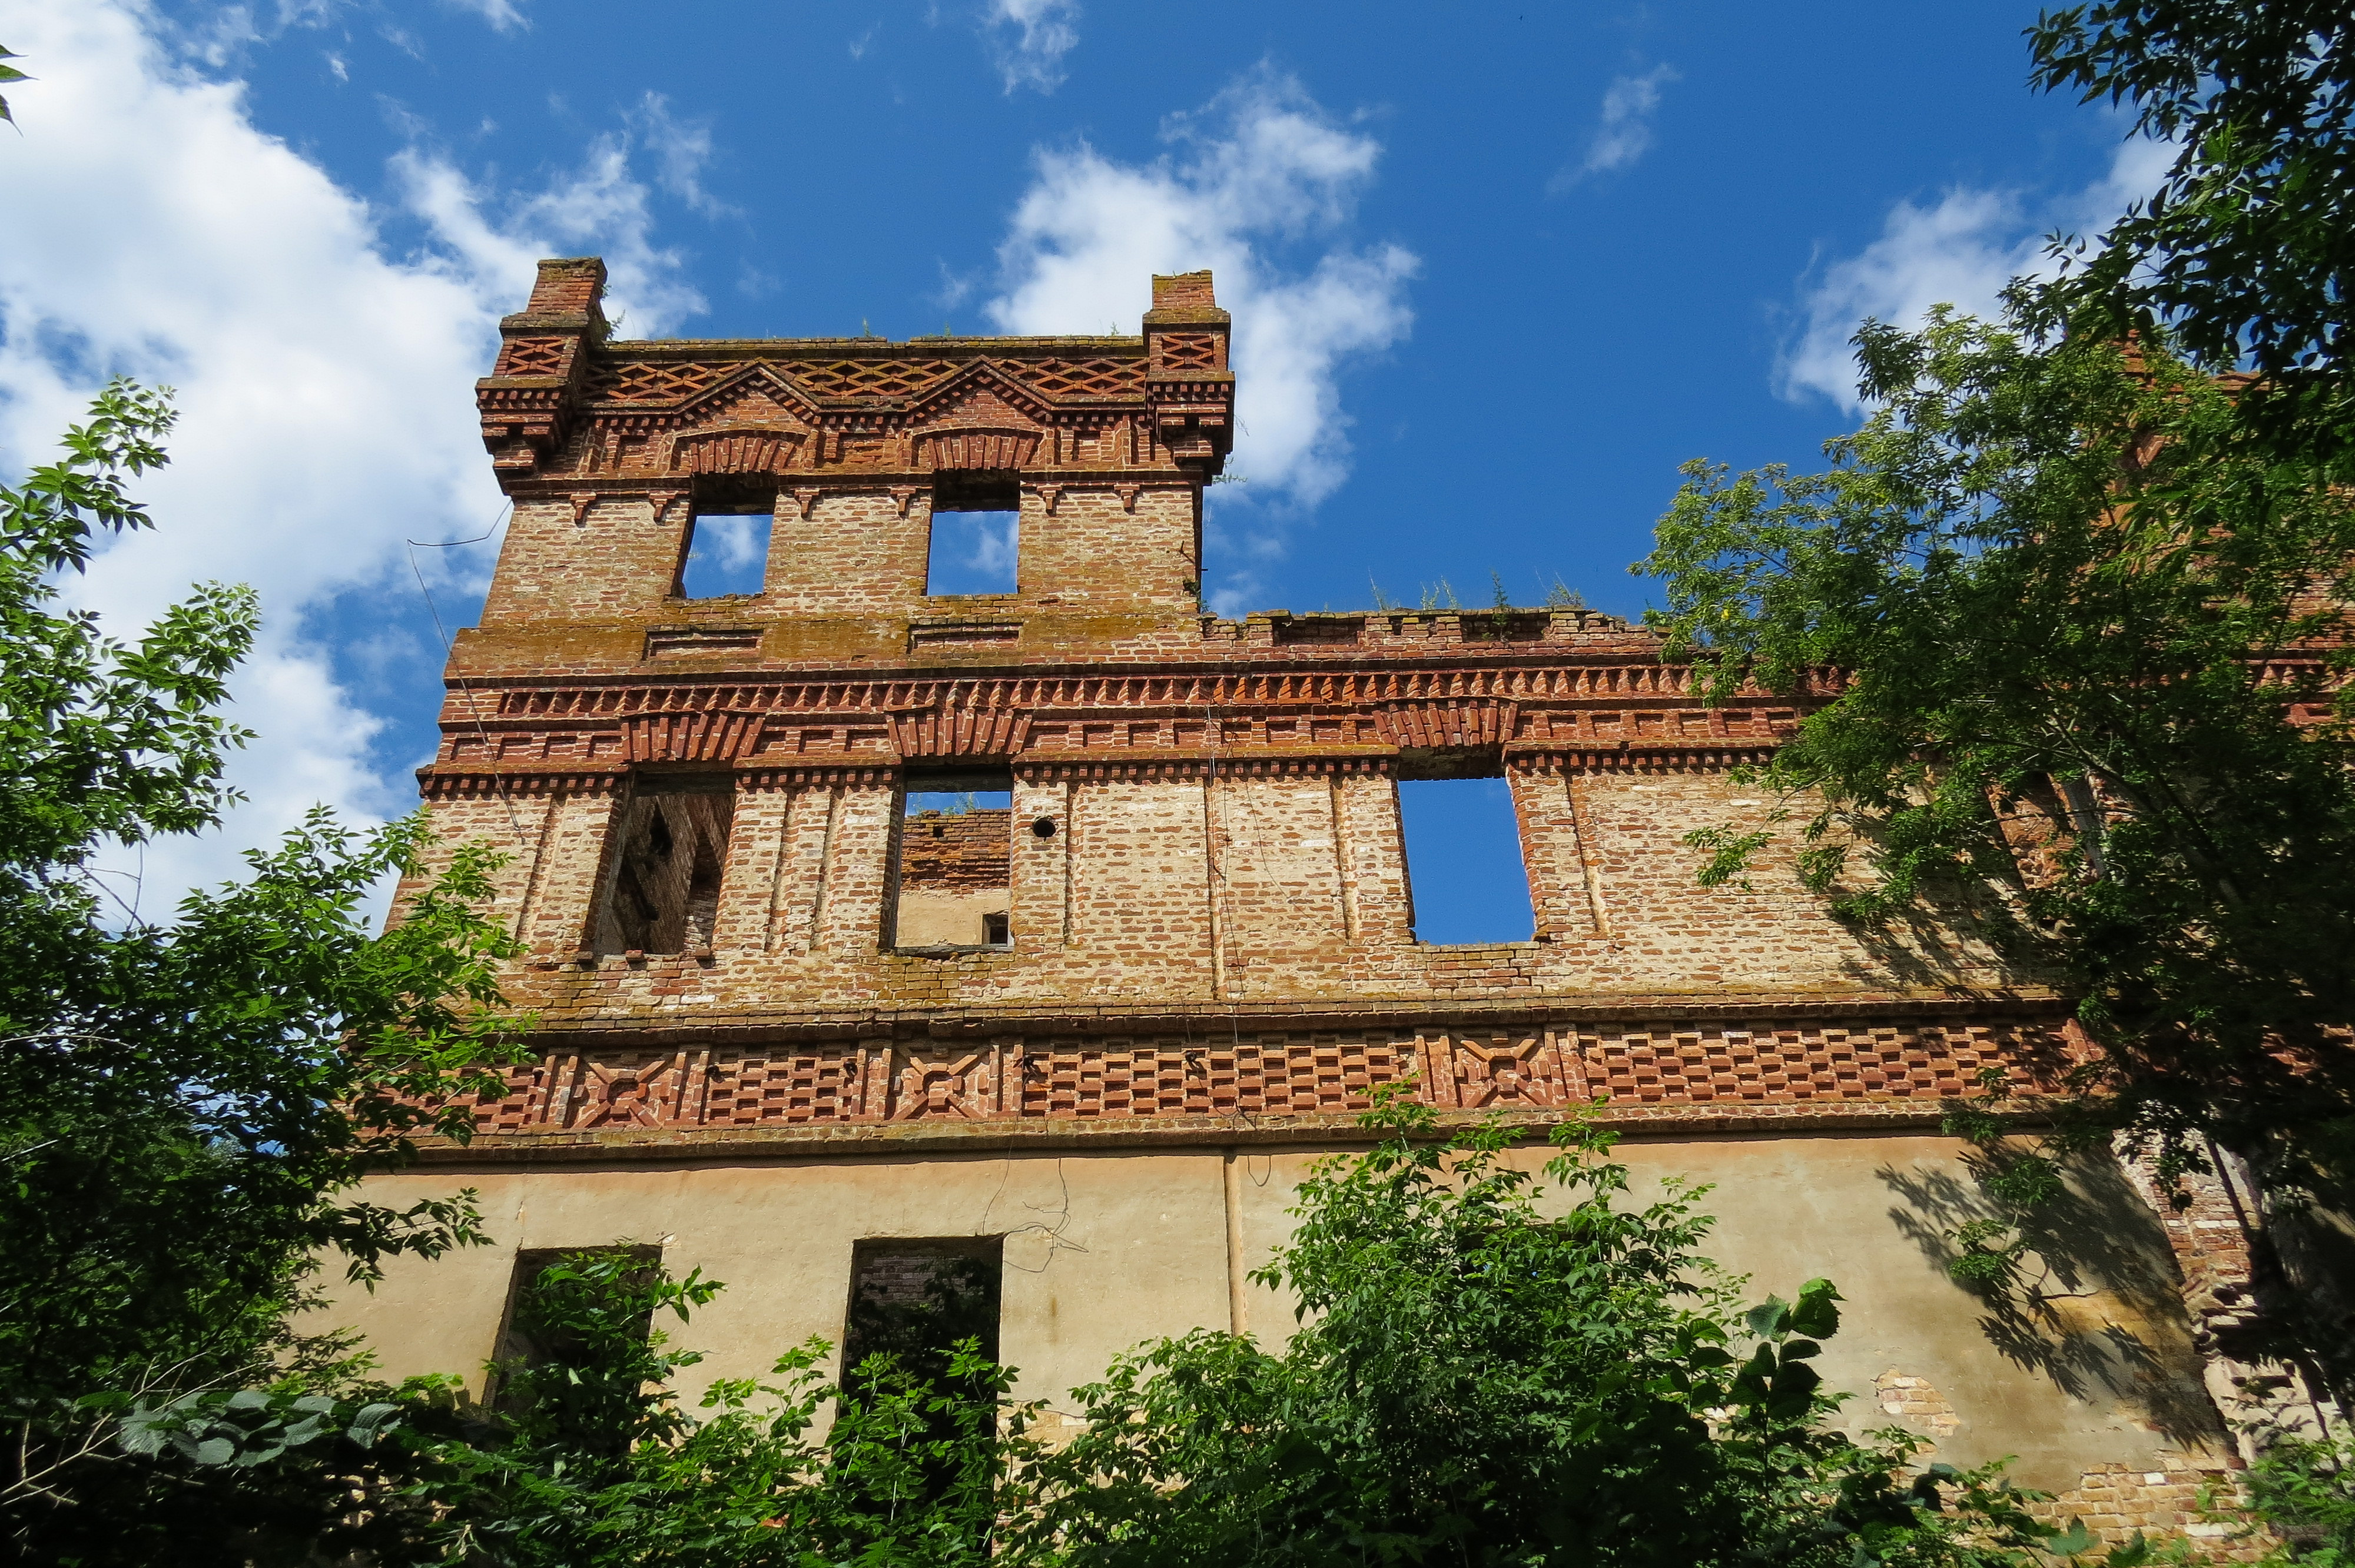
(2245, 252)
(2069, 614)
(1479, 1381)
(188, 1104)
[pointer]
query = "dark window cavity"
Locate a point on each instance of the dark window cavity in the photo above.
(672, 843)
(538, 1329)
(953, 884)
(914, 1299)
(1466, 878)
(976, 534)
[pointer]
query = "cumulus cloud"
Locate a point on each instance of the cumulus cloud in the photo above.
(601, 205)
(1258, 188)
(1962, 251)
(1029, 38)
(1625, 132)
(322, 380)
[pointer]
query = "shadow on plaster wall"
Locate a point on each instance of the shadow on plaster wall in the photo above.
(2097, 1306)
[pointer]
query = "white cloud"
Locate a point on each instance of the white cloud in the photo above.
(221, 35)
(603, 207)
(1029, 39)
(1625, 132)
(680, 149)
(1263, 166)
(322, 381)
(1961, 252)
(994, 543)
(504, 15)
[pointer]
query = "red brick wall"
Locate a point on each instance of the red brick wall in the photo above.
(949, 852)
(1094, 553)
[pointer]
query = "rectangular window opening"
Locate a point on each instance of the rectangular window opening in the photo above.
(915, 1298)
(1467, 880)
(953, 883)
(528, 1342)
(662, 894)
(726, 550)
(977, 536)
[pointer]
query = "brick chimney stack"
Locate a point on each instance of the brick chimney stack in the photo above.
(1190, 389)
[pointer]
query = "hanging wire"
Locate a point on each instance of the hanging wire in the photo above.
(473, 708)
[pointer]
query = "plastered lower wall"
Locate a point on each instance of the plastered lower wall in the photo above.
(1104, 1249)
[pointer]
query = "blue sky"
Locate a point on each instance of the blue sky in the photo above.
(1497, 269)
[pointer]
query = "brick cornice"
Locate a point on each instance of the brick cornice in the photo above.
(1595, 714)
(912, 1022)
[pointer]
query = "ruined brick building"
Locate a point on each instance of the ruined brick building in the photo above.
(797, 1024)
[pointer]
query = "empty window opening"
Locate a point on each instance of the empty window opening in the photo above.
(663, 892)
(1467, 880)
(976, 534)
(914, 1301)
(727, 553)
(954, 882)
(589, 1315)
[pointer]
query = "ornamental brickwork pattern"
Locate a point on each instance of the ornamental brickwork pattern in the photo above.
(1283, 1074)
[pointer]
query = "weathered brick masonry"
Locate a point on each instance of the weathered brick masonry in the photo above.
(1207, 959)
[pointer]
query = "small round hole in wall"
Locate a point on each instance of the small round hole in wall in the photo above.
(1044, 827)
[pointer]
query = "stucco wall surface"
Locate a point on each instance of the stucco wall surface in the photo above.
(1105, 1249)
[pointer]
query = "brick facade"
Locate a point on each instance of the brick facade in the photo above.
(1210, 940)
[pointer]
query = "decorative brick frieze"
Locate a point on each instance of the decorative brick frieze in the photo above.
(1200, 1070)
(567, 400)
(1530, 719)
(697, 734)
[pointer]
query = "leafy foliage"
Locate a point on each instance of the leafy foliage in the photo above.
(2246, 251)
(2055, 608)
(8, 74)
(2071, 608)
(1479, 1380)
(596, 1462)
(188, 1104)
(2303, 1488)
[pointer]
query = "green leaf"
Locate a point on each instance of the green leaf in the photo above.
(1816, 1314)
(2072, 1542)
